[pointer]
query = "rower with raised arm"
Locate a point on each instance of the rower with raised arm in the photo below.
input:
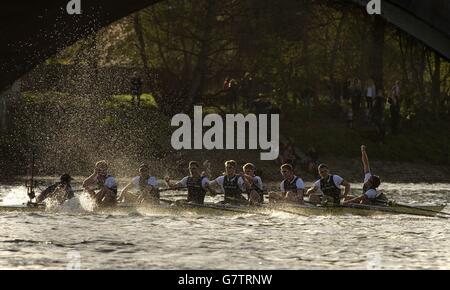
(292, 187)
(146, 186)
(101, 186)
(196, 183)
(370, 186)
(254, 183)
(231, 184)
(330, 185)
(60, 191)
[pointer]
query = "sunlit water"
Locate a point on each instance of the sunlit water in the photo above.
(73, 238)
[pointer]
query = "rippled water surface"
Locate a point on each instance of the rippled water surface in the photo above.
(67, 239)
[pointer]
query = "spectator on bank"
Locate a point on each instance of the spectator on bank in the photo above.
(395, 91)
(230, 88)
(136, 89)
(394, 108)
(371, 93)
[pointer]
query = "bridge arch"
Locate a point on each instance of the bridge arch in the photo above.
(45, 27)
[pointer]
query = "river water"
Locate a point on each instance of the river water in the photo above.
(80, 239)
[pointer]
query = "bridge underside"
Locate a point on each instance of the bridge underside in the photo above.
(427, 21)
(32, 31)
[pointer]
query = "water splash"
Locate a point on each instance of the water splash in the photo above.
(14, 195)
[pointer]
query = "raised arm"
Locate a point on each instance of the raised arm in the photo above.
(365, 159)
(90, 180)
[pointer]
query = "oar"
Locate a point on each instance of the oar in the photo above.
(167, 200)
(224, 208)
(388, 209)
(169, 189)
(160, 190)
(422, 209)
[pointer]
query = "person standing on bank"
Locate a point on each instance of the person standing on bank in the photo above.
(136, 89)
(394, 107)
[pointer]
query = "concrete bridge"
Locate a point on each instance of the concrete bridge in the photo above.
(31, 31)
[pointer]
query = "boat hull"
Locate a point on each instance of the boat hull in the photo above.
(360, 210)
(219, 209)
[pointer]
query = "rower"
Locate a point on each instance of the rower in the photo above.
(255, 189)
(104, 183)
(145, 184)
(371, 183)
(330, 185)
(197, 184)
(60, 191)
(292, 187)
(231, 184)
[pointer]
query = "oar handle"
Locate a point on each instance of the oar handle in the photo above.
(173, 188)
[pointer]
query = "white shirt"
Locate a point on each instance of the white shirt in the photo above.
(150, 181)
(299, 184)
(371, 92)
(257, 181)
(396, 91)
(371, 193)
(111, 183)
(240, 182)
(336, 179)
(183, 182)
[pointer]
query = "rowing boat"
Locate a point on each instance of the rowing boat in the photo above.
(163, 208)
(360, 209)
(225, 209)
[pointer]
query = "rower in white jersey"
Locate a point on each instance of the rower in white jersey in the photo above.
(371, 183)
(197, 184)
(292, 187)
(330, 185)
(254, 188)
(231, 184)
(101, 186)
(145, 185)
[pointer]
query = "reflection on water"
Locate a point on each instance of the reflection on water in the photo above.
(85, 240)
